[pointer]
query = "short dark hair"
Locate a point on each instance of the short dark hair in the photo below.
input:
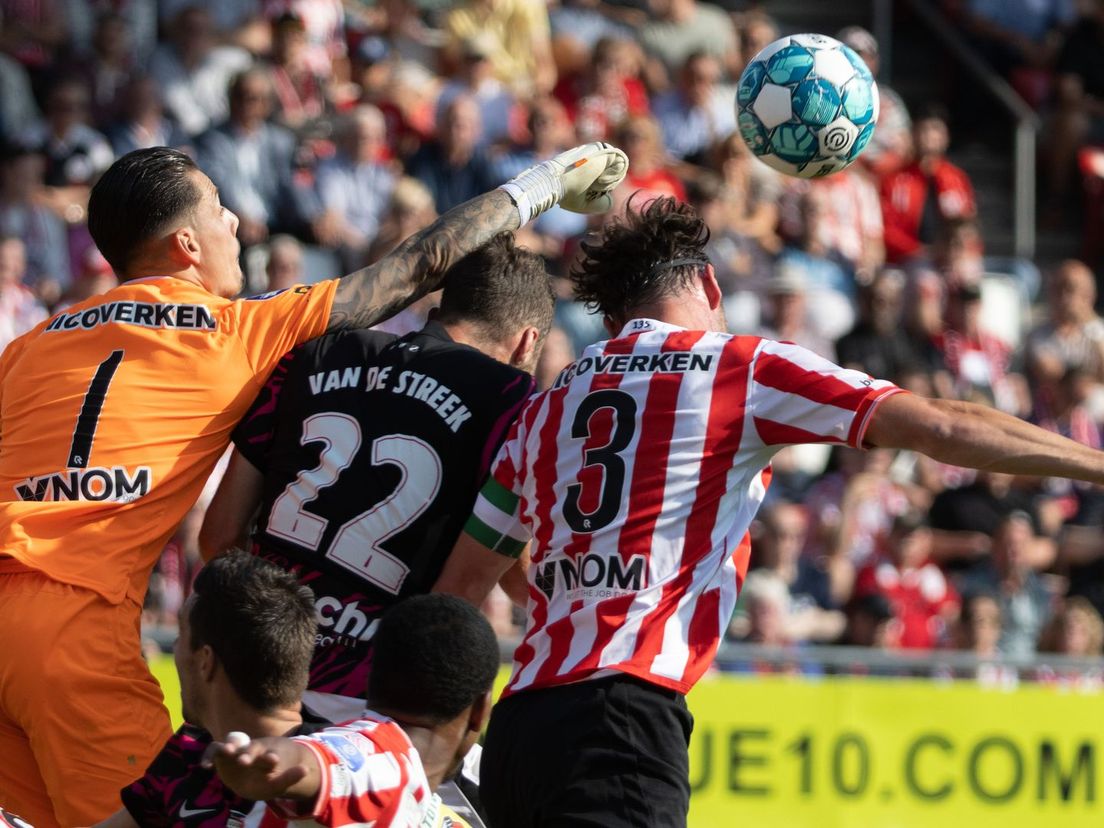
(628, 264)
(500, 288)
(260, 623)
(433, 657)
(137, 199)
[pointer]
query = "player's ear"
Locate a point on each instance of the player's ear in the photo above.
(206, 662)
(184, 246)
(611, 326)
(480, 712)
(525, 348)
(713, 293)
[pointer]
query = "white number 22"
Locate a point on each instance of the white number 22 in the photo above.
(357, 546)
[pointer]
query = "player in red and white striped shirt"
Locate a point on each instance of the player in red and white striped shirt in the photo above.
(434, 662)
(636, 477)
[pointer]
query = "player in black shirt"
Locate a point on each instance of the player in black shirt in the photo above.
(240, 669)
(365, 453)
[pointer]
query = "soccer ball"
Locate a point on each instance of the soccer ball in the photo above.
(807, 105)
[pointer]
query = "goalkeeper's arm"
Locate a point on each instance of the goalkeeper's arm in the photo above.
(580, 179)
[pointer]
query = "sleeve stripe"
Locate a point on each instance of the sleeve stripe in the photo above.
(500, 497)
(492, 539)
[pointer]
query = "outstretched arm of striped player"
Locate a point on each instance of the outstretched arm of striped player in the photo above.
(966, 434)
(580, 180)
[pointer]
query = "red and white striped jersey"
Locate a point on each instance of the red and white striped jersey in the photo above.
(637, 475)
(371, 776)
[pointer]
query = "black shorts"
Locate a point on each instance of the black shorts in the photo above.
(610, 752)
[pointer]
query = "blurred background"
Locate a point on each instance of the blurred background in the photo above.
(915, 642)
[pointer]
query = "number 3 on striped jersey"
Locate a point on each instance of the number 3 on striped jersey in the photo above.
(357, 544)
(607, 456)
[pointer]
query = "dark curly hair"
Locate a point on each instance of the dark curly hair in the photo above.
(640, 257)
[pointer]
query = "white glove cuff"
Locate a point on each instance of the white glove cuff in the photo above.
(537, 189)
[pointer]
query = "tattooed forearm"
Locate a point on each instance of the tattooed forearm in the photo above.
(418, 265)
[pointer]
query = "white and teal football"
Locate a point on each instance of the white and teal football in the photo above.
(807, 105)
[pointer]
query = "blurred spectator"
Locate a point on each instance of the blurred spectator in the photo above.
(607, 91)
(743, 268)
(75, 152)
(300, 91)
(891, 143)
(924, 603)
(17, 103)
(94, 277)
(107, 69)
(764, 602)
(519, 30)
(1007, 572)
(354, 187)
(284, 267)
(778, 548)
(550, 134)
(966, 518)
(1072, 337)
(226, 16)
(790, 310)
(757, 31)
(849, 221)
(454, 167)
(680, 28)
(144, 123)
(194, 72)
(977, 361)
(406, 35)
(409, 210)
(19, 310)
(929, 191)
(978, 631)
(831, 287)
(877, 344)
(1078, 117)
(1066, 412)
(648, 175)
(752, 191)
(139, 17)
(476, 78)
(32, 32)
(324, 26)
(249, 159)
(869, 622)
(1075, 630)
(698, 113)
(23, 215)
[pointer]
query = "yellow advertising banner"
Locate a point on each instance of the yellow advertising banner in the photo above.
(790, 752)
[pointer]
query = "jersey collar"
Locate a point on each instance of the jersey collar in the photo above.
(646, 325)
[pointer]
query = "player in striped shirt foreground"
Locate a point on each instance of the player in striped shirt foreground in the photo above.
(429, 695)
(636, 476)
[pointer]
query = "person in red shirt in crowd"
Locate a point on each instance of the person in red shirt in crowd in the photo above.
(922, 599)
(919, 198)
(607, 91)
(643, 143)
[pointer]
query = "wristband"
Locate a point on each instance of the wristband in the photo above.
(534, 191)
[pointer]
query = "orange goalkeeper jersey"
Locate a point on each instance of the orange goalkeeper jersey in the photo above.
(114, 411)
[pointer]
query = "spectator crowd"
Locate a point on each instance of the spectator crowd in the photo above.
(336, 129)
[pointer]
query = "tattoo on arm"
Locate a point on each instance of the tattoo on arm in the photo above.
(418, 265)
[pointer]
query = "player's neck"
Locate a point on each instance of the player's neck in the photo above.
(436, 750)
(685, 312)
(234, 714)
(471, 336)
(147, 266)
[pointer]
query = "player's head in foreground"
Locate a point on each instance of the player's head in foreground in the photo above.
(650, 261)
(499, 299)
(433, 663)
(246, 639)
(154, 213)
